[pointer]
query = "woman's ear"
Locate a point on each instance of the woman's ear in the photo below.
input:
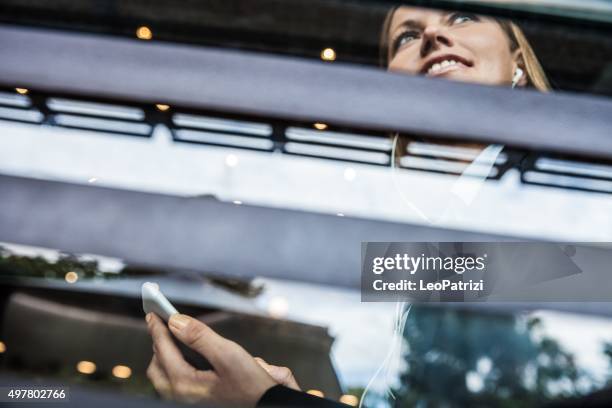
(518, 65)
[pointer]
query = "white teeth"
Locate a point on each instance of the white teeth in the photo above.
(435, 67)
(438, 66)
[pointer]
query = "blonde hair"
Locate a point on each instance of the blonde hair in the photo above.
(536, 78)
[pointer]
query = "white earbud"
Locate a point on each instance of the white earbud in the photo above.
(518, 74)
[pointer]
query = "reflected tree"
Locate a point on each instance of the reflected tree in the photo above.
(37, 266)
(457, 358)
(13, 265)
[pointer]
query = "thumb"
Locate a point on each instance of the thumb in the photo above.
(282, 375)
(201, 338)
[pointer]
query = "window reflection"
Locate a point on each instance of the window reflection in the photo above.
(458, 358)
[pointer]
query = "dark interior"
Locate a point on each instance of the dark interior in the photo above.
(576, 54)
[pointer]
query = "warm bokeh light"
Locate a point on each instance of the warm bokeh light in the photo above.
(121, 371)
(71, 277)
(316, 393)
(86, 367)
(320, 126)
(2, 347)
(144, 33)
(278, 307)
(328, 54)
(21, 91)
(162, 107)
(349, 400)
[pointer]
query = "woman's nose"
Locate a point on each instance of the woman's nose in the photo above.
(433, 37)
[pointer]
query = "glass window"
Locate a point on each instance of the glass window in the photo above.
(88, 308)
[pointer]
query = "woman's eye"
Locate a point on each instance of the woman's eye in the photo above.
(459, 18)
(404, 39)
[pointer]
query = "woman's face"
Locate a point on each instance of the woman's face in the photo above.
(453, 45)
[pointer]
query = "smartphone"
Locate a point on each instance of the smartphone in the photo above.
(154, 301)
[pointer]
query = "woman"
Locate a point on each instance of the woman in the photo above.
(461, 47)
(451, 45)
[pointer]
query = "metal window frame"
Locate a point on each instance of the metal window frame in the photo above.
(264, 86)
(198, 234)
(183, 233)
(220, 239)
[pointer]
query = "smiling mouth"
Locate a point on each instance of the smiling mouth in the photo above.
(442, 65)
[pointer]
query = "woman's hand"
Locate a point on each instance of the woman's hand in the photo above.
(237, 379)
(282, 375)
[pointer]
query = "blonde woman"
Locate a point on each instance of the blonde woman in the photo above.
(450, 45)
(461, 47)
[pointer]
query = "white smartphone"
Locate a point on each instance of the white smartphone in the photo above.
(155, 301)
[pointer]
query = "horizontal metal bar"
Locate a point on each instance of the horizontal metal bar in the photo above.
(588, 13)
(199, 234)
(223, 239)
(291, 89)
